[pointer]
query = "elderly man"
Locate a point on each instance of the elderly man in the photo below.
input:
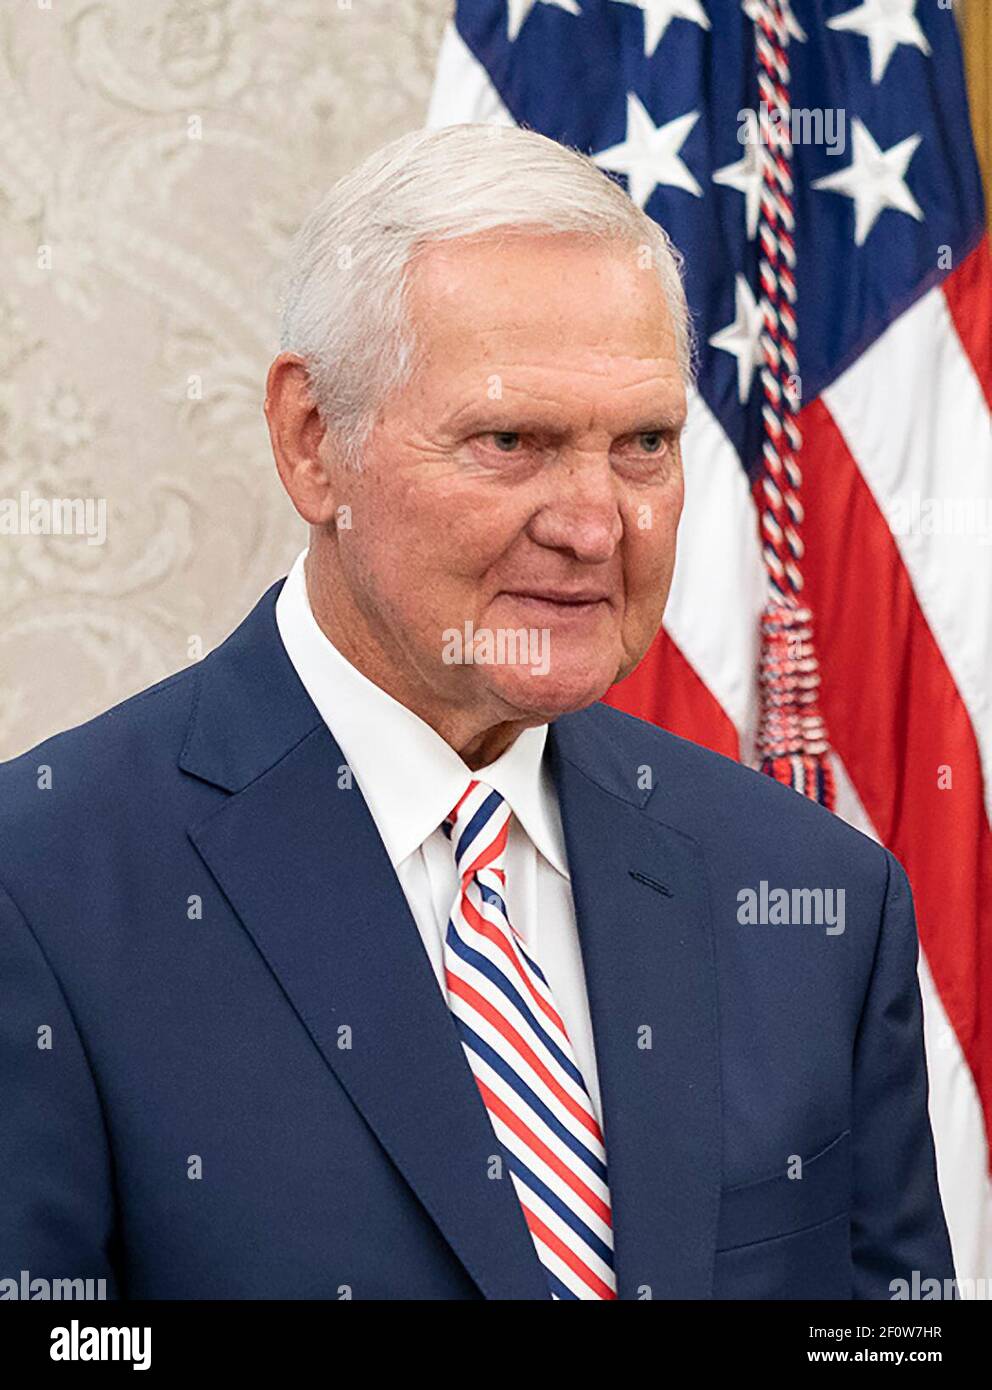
(372, 956)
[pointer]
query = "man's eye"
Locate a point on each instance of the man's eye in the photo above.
(651, 441)
(506, 441)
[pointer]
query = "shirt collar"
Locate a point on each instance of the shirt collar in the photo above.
(409, 776)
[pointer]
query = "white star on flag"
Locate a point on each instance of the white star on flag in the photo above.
(650, 154)
(875, 179)
(658, 14)
(885, 24)
(742, 338)
(746, 176)
(518, 10)
(755, 8)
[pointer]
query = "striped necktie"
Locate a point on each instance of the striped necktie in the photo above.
(522, 1061)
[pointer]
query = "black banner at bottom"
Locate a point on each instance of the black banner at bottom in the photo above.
(172, 1339)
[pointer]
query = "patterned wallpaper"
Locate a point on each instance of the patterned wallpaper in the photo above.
(155, 158)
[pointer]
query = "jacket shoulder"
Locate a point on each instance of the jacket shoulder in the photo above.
(706, 794)
(100, 761)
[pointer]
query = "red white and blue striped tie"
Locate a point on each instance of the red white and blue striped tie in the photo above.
(522, 1061)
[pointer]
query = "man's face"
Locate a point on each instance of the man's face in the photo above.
(527, 478)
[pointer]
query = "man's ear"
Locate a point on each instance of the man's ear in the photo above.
(298, 433)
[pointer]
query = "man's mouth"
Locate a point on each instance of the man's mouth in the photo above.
(562, 601)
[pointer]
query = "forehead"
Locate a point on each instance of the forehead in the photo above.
(538, 297)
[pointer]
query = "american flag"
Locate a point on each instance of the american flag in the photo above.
(814, 163)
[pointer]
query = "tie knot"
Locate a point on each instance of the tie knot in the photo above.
(477, 827)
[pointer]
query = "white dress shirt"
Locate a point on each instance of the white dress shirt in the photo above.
(411, 779)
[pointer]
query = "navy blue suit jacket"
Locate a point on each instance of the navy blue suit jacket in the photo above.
(264, 1096)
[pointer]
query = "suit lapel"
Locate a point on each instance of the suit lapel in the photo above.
(302, 864)
(643, 918)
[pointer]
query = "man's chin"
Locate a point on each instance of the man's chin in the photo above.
(549, 695)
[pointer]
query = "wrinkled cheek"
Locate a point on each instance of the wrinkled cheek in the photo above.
(649, 579)
(651, 546)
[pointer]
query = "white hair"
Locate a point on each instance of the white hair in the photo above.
(344, 309)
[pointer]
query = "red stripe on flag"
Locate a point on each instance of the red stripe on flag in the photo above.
(968, 291)
(665, 690)
(895, 715)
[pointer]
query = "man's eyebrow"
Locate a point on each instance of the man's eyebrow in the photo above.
(500, 416)
(667, 419)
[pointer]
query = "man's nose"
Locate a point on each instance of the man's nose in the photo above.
(582, 512)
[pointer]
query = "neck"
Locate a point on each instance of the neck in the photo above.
(485, 747)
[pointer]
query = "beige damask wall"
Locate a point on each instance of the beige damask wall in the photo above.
(155, 157)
